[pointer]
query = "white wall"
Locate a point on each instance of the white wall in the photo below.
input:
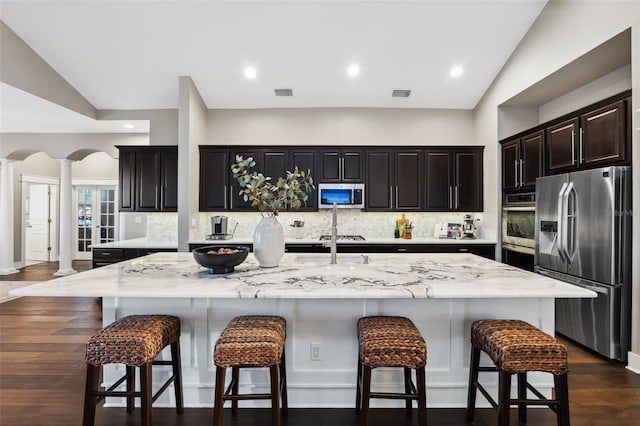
(340, 126)
(564, 31)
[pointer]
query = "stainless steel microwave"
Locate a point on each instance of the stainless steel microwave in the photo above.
(344, 195)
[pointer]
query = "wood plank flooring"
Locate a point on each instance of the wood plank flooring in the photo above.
(42, 377)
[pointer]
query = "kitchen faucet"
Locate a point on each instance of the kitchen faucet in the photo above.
(334, 234)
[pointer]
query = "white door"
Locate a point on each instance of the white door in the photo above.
(96, 221)
(38, 223)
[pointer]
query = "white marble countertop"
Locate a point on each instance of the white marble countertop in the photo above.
(145, 243)
(309, 276)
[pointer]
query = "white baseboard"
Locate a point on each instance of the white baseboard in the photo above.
(633, 362)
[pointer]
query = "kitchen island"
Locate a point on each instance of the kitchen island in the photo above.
(441, 293)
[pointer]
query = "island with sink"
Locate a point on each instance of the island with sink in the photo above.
(441, 292)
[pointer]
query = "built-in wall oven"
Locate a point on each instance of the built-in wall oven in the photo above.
(518, 229)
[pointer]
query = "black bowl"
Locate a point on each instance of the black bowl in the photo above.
(220, 263)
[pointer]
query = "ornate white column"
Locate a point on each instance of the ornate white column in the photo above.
(66, 219)
(6, 217)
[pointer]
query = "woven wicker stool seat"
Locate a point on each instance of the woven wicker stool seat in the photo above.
(251, 341)
(388, 341)
(517, 347)
(134, 341)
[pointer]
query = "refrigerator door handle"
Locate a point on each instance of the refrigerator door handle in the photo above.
(564, 238)
(570, 195)
(561, 224)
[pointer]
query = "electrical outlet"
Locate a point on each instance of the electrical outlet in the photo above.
(316, 352)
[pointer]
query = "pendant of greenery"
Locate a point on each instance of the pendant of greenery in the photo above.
(288, 192)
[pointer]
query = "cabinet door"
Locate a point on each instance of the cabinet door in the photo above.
(603, 135)
(438, 185)
(237, 201)
(378, 188)
(510, 164)
(408, 180)
(352, 166)
(560, 146)
(274, 164)
(305, 160)
(148, 180)
(330, 165)
(531, 160)
(468, 181)
(214, 175)
(169, 180)
(126, 174)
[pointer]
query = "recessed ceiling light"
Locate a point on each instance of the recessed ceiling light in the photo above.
(128, 126)
(250, 72)
(456, 71)
(353, 71)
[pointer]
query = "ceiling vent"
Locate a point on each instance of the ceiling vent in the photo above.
(284, 92)
(400, 93)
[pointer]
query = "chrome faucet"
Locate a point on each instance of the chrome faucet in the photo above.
(334, 234)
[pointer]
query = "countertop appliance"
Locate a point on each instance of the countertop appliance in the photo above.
(220, 228)
(583, 236)
(344, 195)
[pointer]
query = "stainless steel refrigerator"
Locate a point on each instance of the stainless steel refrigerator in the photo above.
(583, 237)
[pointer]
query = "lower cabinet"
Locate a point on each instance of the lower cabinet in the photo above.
(109, 256)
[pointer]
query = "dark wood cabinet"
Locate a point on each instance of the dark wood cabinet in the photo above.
(454, 179)
(109, 256)
(603, 134)
(305, 160)
(393, 180)
(522, 161)
(561, 146)
(341, 166)
(236, 200)
(214, 179)
(596, 137)
(149, 178)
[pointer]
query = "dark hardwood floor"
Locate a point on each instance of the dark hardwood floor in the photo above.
(42, 377)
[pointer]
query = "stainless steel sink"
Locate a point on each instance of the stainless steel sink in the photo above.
(325, 259)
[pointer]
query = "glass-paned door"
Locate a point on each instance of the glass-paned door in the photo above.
(96, 219)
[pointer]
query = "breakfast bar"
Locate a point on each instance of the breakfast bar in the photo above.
(443, 293)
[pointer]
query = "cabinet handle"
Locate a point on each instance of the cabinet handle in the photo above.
(521, 172)
(399, 249)
(456, 196)
(581, 156)
(397, 196)
(390, 197)
(515, 174)
(231, 198)
(451, 197)
(341, 165)
(573, 146)
(463, 250)
(225, 197)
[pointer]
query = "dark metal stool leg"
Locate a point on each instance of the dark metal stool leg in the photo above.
(176, 364)
(366, 390)
(474, 365)
(146, 391)
(235, 377)
(131, 387)
(359, 387)
(275, 395)
(422, 396)
(218, 402)
(283, 385)
(504, 396)
(90, 401)
(408, 404)
(522, 395)
(562, 396)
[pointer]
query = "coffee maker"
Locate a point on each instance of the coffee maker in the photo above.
(469, 227)
(219, 228)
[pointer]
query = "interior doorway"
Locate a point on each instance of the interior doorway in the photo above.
(39, 219)
(96, 221)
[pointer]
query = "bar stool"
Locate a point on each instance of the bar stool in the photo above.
(134, 341)
(251, 341)
(387, 341)
(517, 347)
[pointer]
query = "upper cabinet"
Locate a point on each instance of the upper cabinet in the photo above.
(214, 179)
(148, 178)
(306, 160)
(341, 165)
(394, 180)
(454, 179)
(522, 161)
(596, 137)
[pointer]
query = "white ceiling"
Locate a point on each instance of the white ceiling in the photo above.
(130, 54)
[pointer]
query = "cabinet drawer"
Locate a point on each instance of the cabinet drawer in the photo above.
(104, 254)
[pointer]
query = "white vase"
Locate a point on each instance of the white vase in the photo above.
(268, 242)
